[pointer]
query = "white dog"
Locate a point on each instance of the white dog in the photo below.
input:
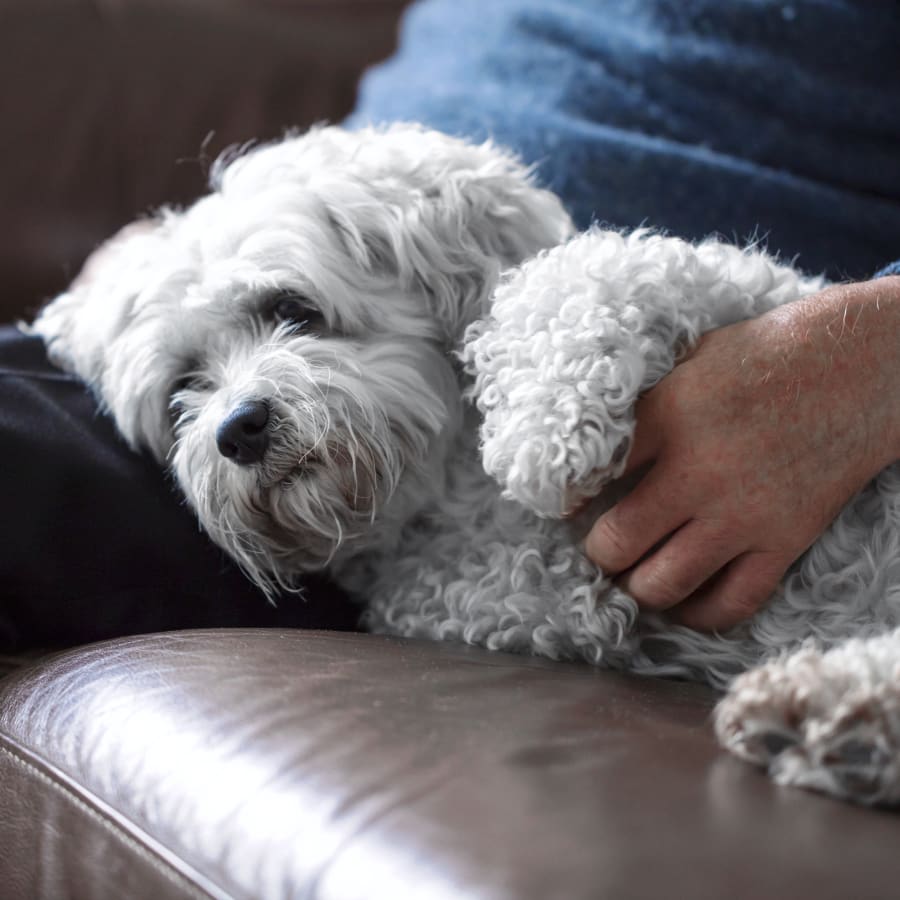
(303, 345)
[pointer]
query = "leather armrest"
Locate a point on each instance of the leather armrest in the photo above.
(109, 109)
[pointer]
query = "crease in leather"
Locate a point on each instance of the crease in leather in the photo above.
(165, 861)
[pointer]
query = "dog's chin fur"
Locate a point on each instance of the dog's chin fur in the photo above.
(355, 448)
(389, 245)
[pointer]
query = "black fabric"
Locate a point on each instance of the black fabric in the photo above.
(95, 541)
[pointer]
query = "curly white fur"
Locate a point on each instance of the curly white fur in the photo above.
(375, 466)
(576, 334)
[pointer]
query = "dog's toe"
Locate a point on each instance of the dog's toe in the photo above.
(774, 743)
(812, 735)
(862, 764)
(759, 741)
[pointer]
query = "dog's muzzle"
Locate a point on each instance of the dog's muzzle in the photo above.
(242, 436)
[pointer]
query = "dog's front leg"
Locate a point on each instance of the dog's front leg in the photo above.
(490, 573)
(578, 333)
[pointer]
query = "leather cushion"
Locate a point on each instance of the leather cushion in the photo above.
(301, 763)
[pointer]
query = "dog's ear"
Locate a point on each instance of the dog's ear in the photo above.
(79, 325)
(449, 216)
(442, 216)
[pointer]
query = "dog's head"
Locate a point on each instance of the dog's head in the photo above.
(285, 344)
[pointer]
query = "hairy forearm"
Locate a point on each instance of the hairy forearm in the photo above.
(849, 336)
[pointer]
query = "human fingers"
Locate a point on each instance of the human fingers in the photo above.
(738, 593)
(623, 534)
(686, 561)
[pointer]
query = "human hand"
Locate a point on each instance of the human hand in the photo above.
(755, 441)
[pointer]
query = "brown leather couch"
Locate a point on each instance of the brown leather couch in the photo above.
(271, 763)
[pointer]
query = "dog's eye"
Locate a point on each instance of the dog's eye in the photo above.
(297, 311)
(179, 403)
(193, 381)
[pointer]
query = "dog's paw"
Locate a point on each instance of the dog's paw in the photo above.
(557, 369)
(828, 722)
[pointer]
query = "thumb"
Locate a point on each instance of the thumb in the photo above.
(646, 441)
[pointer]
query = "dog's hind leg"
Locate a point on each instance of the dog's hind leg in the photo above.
(826, 721)
(576, 334)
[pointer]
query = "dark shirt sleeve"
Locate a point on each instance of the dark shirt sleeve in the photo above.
(95, 542)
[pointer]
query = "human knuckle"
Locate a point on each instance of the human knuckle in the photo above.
(608, 545)
(721, 527)
(740, 605)
(658, 589)
(748, 601)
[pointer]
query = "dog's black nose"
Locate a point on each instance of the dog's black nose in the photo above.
(242, 436)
